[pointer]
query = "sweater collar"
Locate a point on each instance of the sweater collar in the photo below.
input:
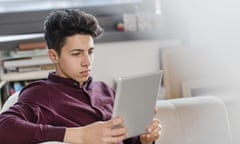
(68, 81)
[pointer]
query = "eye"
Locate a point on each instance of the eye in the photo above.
(91, 51)
(75, 54)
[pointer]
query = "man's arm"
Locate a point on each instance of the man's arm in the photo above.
(16, 127)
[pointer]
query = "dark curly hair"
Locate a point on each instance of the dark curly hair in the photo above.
(63, 23)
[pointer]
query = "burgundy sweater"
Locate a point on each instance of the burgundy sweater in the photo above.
(45, 108)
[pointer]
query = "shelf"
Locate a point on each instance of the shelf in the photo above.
(25, 76)
(11, 42)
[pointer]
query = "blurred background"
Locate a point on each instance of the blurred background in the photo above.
(195, 42)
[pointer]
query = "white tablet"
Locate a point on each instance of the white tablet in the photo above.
(135, 100)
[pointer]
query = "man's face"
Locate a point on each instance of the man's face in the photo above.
(76, 58)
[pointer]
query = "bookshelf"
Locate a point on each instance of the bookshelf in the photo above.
(25, 75)
(27, 62)
(9, 82)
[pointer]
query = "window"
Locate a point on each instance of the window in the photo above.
(25, 17)
(30, 5)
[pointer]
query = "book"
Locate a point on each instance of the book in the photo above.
(32, 45)
(36, 68)
(29, 68)
(26, 61)
(33, 75)
(28, 53)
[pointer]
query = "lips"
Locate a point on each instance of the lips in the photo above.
(85, 73)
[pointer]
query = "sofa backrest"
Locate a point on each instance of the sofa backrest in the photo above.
(171, 130)
(198, 120)
(10, 102)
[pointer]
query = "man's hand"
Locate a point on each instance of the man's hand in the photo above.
(97, 133)
(153, 131)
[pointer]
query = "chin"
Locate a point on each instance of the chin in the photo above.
(83, 79)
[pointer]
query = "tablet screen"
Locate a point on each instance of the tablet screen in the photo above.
(135, 100)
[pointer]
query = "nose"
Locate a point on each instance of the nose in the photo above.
(87, 59)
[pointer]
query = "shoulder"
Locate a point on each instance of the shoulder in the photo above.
(34, 92)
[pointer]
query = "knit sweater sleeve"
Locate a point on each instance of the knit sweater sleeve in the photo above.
(17, 130)
(27, 121)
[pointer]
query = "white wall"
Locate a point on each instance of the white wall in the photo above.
(203, 23)
(116, 59)
(209, 25)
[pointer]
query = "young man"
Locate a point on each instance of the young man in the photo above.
(69, 106)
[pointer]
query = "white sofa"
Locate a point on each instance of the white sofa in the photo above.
(199, 120)
(9, 102)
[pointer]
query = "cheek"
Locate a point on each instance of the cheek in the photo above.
(68, 63)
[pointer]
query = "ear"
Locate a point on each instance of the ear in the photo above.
(53, 55)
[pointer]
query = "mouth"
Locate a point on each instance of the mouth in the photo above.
(85, 73)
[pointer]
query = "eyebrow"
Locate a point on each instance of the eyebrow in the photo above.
(80, 50)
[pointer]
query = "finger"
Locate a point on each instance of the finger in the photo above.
(155, 123)
(109, 132)
(156, 130)
(151, 137)
(154, 134)
(114, 122)
(115, 139)
(119, 131)
(146, 139)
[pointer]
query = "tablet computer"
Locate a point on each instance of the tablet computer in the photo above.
(135, 100)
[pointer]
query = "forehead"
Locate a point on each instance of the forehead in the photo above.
(80, 41)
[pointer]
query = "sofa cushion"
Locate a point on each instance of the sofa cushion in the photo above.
(194, 120)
